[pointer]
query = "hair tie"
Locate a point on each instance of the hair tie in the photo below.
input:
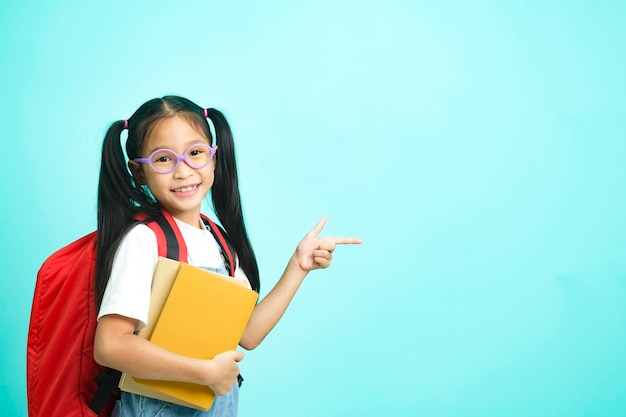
(206, 113)
(126, 124)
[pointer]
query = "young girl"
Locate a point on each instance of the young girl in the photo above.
(172, 165)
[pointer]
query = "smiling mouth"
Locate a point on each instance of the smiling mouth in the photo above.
(186, 189)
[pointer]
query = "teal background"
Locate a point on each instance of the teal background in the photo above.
(477, 148)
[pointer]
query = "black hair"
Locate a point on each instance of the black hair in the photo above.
(121, 198)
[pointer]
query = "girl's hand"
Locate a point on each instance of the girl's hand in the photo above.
(311, 253)
(314, 252)
(223, 371)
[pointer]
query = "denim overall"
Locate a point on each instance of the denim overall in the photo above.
(134, 405)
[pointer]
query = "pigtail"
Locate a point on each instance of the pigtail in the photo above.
(119, 199)
(226, 197)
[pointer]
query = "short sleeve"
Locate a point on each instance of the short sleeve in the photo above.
(130, 284)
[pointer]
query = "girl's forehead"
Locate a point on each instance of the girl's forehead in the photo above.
(173, 132)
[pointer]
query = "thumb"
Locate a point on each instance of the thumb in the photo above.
(234, 355)
(318, 228)
(238, 355)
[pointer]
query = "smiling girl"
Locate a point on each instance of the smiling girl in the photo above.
(171, 164)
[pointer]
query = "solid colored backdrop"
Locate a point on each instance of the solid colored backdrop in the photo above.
(476, 147)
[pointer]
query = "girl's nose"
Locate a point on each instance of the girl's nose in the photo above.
(183, 170)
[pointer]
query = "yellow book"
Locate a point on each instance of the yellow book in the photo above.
(164, 276)
(205, 314)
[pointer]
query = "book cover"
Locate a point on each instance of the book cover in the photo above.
(204, 314)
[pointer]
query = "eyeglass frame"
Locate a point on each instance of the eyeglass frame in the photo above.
(183, 157)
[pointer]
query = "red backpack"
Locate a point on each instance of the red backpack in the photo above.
(62, 377)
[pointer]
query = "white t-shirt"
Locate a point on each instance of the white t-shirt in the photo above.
(130, 284)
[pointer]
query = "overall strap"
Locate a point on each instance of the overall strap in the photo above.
(228, 250)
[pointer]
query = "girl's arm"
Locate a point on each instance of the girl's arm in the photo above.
(116, 346)
(312, 253)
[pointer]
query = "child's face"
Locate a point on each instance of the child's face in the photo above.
(181, 191)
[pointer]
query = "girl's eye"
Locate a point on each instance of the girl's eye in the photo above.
(163, 159)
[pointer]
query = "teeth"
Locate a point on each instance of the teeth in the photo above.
(185, 189)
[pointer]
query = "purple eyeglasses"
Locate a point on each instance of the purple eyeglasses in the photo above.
(164, 161)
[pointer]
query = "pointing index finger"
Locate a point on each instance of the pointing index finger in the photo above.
(343, 240)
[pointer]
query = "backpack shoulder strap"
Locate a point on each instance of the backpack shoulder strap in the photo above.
(169, 239)
(226, 246)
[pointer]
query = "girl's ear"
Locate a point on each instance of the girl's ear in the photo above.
(135, 169)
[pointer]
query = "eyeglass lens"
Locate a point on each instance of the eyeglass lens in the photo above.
(165, 160)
